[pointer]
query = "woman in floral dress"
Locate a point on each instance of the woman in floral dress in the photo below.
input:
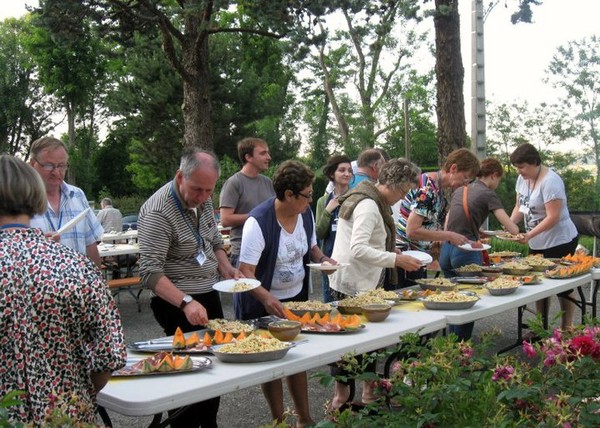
(60, 332)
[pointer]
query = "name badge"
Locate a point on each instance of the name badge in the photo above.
(201, 258)
(334, 225)
(524, 209)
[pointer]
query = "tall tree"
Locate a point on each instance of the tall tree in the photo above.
(71, 58)
(364, 70)
(450, 73)
(575, 70)
(25, 110)
(186, 27)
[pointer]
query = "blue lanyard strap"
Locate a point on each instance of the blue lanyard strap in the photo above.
(50, 220)
(9, 225)
(195, 232)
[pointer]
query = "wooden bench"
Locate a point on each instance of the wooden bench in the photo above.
(129, 284)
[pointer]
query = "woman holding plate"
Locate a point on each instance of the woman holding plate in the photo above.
(541, 204)
(278, 241)
(366, 240)
(470, 206)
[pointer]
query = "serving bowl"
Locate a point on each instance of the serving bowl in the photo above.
(469, 270)
(376, 312)
(490, 271)
(285, 330)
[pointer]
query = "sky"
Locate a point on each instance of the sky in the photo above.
(516, 56)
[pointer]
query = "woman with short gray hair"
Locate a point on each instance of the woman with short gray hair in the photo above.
(366, 240)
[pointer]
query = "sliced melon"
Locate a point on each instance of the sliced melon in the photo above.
(178, 339)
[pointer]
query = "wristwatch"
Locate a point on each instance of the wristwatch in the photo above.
(186, 299)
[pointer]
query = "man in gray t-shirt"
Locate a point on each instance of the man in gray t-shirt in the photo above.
(245, 189)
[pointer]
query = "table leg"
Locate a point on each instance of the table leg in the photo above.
(520, 311)
(104, 416)
(594, 291)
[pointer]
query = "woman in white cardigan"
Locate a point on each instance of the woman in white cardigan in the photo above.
(366, 233)
(366, 239)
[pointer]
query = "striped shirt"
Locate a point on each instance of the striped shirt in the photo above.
(72, 202)
(170, 239)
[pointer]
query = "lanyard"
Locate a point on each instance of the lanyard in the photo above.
(529, 189)
(52, 224)
(10, 225)
(195, 232)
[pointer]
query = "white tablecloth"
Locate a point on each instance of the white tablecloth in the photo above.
(108, 250)
(154, 394)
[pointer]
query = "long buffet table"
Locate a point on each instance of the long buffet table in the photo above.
(151, 395)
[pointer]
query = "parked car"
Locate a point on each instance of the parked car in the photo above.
(130, 222)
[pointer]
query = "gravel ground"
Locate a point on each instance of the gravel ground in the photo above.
(247, 408)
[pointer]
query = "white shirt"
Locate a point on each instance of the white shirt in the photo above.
(289, 269)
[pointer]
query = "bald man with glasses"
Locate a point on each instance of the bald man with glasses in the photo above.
(50, 159)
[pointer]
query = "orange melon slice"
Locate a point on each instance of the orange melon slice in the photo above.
(178, 339)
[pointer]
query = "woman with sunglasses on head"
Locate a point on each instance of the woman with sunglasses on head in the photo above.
(541, 203)
(470, 206)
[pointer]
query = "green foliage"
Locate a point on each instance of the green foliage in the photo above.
(575, 70)
(443, 382)
(250, 89)
(25, 111)
(361, 105)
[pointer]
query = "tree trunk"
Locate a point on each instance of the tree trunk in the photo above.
(450, 73)
(198, 126)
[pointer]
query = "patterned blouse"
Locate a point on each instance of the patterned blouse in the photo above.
(58, 323)
(429, 202)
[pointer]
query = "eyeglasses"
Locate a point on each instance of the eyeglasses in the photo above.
(309, 196)
(62, 167)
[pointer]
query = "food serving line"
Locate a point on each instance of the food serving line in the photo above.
(152, 395)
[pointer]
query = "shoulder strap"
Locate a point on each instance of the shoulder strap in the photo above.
(465, 201)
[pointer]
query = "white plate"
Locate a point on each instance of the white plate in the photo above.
(492, 232)
(424, 257)
(227, 285)
(467, 247)
(320, 266)
(73, 222)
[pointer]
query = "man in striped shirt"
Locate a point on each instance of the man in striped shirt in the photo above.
(182, 256)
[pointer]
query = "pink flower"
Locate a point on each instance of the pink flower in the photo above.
(528, 349)
(396, 367)
(583, 345)
(466, 350)
(557, 334)
(385, 385)
(549, 361)
(503, 373)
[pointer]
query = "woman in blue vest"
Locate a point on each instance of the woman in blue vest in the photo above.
(278, 240)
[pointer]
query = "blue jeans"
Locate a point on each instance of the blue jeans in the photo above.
(452, 257)
(326, 294)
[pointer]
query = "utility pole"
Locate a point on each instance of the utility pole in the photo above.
(478, 143)
(406, 129)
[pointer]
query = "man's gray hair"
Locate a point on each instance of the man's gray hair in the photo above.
(190, 161)
(106, 202)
